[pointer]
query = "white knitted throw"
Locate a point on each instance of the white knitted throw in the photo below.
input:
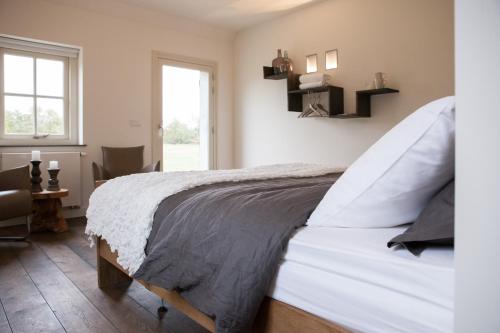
(122, 210)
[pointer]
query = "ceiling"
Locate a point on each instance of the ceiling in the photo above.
(228, 14)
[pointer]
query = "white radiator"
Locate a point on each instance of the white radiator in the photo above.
(69, 176)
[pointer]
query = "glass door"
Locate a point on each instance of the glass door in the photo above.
(186, 129)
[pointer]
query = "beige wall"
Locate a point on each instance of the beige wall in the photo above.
(117, 43)
(412, 41)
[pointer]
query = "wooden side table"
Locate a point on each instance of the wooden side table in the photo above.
(47, 211)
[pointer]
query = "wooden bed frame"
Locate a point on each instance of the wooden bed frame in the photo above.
(274, 316)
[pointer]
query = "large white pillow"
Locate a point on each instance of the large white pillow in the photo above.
(392, 181)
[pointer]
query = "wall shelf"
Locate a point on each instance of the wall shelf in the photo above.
(310, 90)
(348, 116)
(335, 99)
(269, 74)
(363, 100)
(335, 96)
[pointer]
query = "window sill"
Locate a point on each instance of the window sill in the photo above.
(56, 145)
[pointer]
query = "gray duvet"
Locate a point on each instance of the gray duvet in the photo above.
(220, 245)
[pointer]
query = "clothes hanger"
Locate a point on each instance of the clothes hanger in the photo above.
(309, 109)
(314, 107)
(322, 110)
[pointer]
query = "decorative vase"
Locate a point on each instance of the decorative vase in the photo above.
(379, 80)
(278, 63)
(53, 181)
(36, 180)
(287, 63)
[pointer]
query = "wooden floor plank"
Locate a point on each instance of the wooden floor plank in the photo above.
(71, 307)
(4, 323)
(68, 265)
(115, 304)
(24, 306)
(177, 321)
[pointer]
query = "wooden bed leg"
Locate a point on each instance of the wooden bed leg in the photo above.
(108, 276)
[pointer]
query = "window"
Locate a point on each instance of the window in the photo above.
(38, 93)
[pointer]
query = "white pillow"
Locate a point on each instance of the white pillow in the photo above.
(392, 181)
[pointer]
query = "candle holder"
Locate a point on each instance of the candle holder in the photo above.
(53, 181)
(36, 180)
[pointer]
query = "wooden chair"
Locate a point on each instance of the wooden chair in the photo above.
(15, 198)
(121, 161)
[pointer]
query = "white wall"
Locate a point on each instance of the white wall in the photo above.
(412, 41)
(117, 42)
(478, 163)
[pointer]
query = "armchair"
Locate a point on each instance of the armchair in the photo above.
(118, 162)
(15, 197)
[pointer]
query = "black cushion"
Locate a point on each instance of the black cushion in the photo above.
(434, 226)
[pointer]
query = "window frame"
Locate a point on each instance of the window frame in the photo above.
(72, 106)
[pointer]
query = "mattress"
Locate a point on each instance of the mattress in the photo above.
(350, 277)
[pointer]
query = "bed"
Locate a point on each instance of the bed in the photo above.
(322, 266)
(215, 243)
(308, 295)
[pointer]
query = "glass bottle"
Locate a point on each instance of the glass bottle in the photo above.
(288, 65)
(278, 63)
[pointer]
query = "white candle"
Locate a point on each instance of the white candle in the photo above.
(53, 165)
(35, 155)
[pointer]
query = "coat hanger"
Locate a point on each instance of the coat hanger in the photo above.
(314, 108)
(309, 109)
(322, 110)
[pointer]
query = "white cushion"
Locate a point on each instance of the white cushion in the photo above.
(391, 182)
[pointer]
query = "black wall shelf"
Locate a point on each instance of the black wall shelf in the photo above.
(363, 100)
(310, 90)
(295, 104)
(335, 99)
(269, 74)
(335, 96)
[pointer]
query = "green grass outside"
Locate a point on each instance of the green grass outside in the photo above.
(181, 157)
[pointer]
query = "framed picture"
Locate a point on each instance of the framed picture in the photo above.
(312, 63)
(331, 59)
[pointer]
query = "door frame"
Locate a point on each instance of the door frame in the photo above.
(158, 60)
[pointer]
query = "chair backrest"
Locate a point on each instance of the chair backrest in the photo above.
(15, 179)
(118, 162)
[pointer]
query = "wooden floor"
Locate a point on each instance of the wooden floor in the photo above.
(50, 285)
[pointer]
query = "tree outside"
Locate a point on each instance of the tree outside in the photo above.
(17, 122)
(49, 122)
(181, 147)
(179, 133)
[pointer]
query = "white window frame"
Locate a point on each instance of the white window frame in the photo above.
(72, 88)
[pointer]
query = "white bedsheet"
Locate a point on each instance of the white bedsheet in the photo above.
(350, 277)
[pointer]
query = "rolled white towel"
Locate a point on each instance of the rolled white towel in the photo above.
(312, 84)
(313, 77)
